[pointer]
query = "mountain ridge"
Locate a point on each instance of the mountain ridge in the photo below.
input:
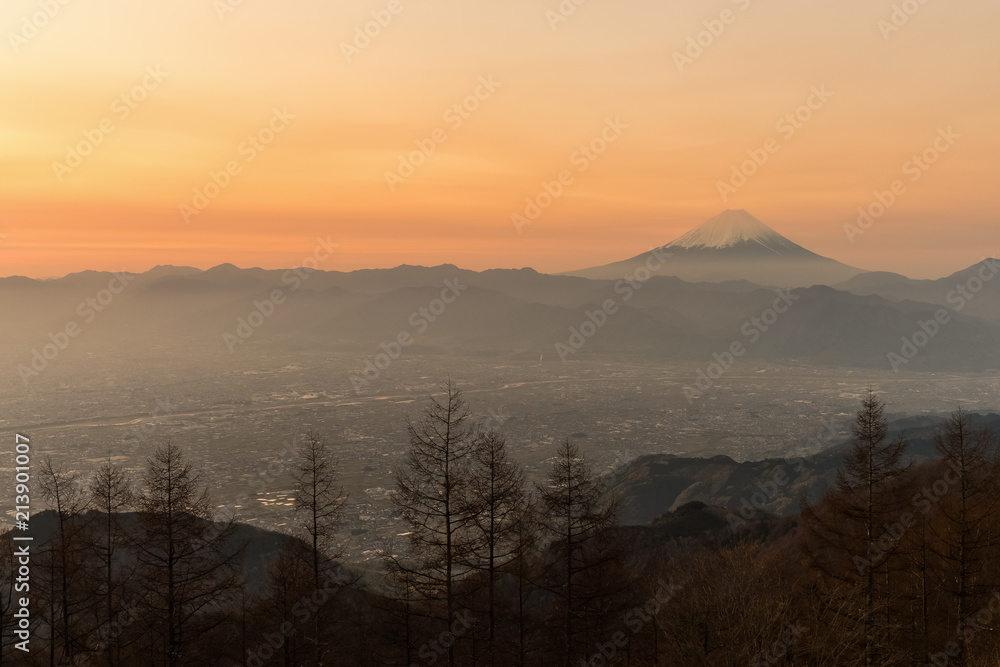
(733, 245)
(512, 312)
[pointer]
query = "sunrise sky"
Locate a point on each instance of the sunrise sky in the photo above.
(220, 76)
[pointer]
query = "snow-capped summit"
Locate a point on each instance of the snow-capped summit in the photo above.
(733, 245)
(731, 228)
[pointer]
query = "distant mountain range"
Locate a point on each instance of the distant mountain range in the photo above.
(520, 313)
(733, 245)
(968, 291)
(654, 485)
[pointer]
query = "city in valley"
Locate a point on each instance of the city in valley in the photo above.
(243, 428)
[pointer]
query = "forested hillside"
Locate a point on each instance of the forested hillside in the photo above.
(898, 564)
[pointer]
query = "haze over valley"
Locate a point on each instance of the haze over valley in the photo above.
(542, 356)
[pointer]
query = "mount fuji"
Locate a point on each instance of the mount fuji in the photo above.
(733, 245)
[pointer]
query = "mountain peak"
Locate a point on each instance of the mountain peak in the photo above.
(733, 245)
(731, 228)
(224, 268)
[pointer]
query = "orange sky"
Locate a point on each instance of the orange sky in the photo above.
(220, 80)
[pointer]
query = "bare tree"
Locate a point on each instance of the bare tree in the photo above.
(429, 493)
(110, 493)
(319, 499)
(398, 602)
(577, 514)
(851, 522)
(319, 503)
(969, 456)
(527, 532)
(287, 585)
(874, 461)
(495, 503)
(189, 564)
(60, 488)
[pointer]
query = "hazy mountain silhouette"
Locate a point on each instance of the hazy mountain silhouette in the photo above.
(972, 291)
(509, 312)
(733, 245)
(652, 485)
